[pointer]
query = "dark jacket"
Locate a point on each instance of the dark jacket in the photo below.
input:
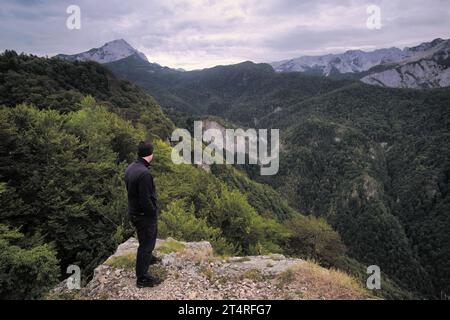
(141, 189)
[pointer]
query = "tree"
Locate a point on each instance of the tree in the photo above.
(25, 273)
(313, 238)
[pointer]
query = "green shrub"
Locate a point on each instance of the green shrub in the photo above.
(313, 238)
(179, 221)
(25, 273)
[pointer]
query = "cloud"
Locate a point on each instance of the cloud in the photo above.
(203, 33)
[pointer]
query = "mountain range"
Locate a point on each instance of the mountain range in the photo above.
(423, 66)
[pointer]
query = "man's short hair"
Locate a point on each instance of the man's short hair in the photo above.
(145, 149)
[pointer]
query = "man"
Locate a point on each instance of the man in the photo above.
(143, 212)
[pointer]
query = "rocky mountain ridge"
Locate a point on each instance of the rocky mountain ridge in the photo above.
(422, 66)
(426, 67)
(109, 52)
(190, 270)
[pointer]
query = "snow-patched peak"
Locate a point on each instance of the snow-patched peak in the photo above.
(109, 52)
(354, 61)
(348, 62)
(425, 65)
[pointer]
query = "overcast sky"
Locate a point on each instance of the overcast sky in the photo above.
(195, 34)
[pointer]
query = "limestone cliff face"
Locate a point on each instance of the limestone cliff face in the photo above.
(422, 74)
(423, 66)
(190, 270)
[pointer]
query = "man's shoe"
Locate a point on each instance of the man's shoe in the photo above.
(147, 282)
(155, 260)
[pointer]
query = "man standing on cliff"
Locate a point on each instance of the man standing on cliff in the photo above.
(142, 209)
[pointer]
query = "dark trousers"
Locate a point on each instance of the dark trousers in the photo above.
(146, 229)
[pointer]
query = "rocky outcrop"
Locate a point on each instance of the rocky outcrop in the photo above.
(352, 61)
(422, 74)
(423, 66)
(190, 270)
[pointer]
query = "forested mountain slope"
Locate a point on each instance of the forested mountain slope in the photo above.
(63, 201)
(58, 84)
(373, 161)
(242, 93)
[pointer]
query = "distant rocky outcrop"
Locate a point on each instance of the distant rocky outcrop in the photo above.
(421, 74)
(190, 270)
(423, 66)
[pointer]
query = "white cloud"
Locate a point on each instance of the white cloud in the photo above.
(203, 33)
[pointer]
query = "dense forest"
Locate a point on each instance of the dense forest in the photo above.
(373, 162)
(381, 163)
(57, 84)
(241, 93)
(67, 132)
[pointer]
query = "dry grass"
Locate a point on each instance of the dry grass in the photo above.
(211, 275)
(308, 280)
(197, 257)
(253, 274)
(208, 273)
